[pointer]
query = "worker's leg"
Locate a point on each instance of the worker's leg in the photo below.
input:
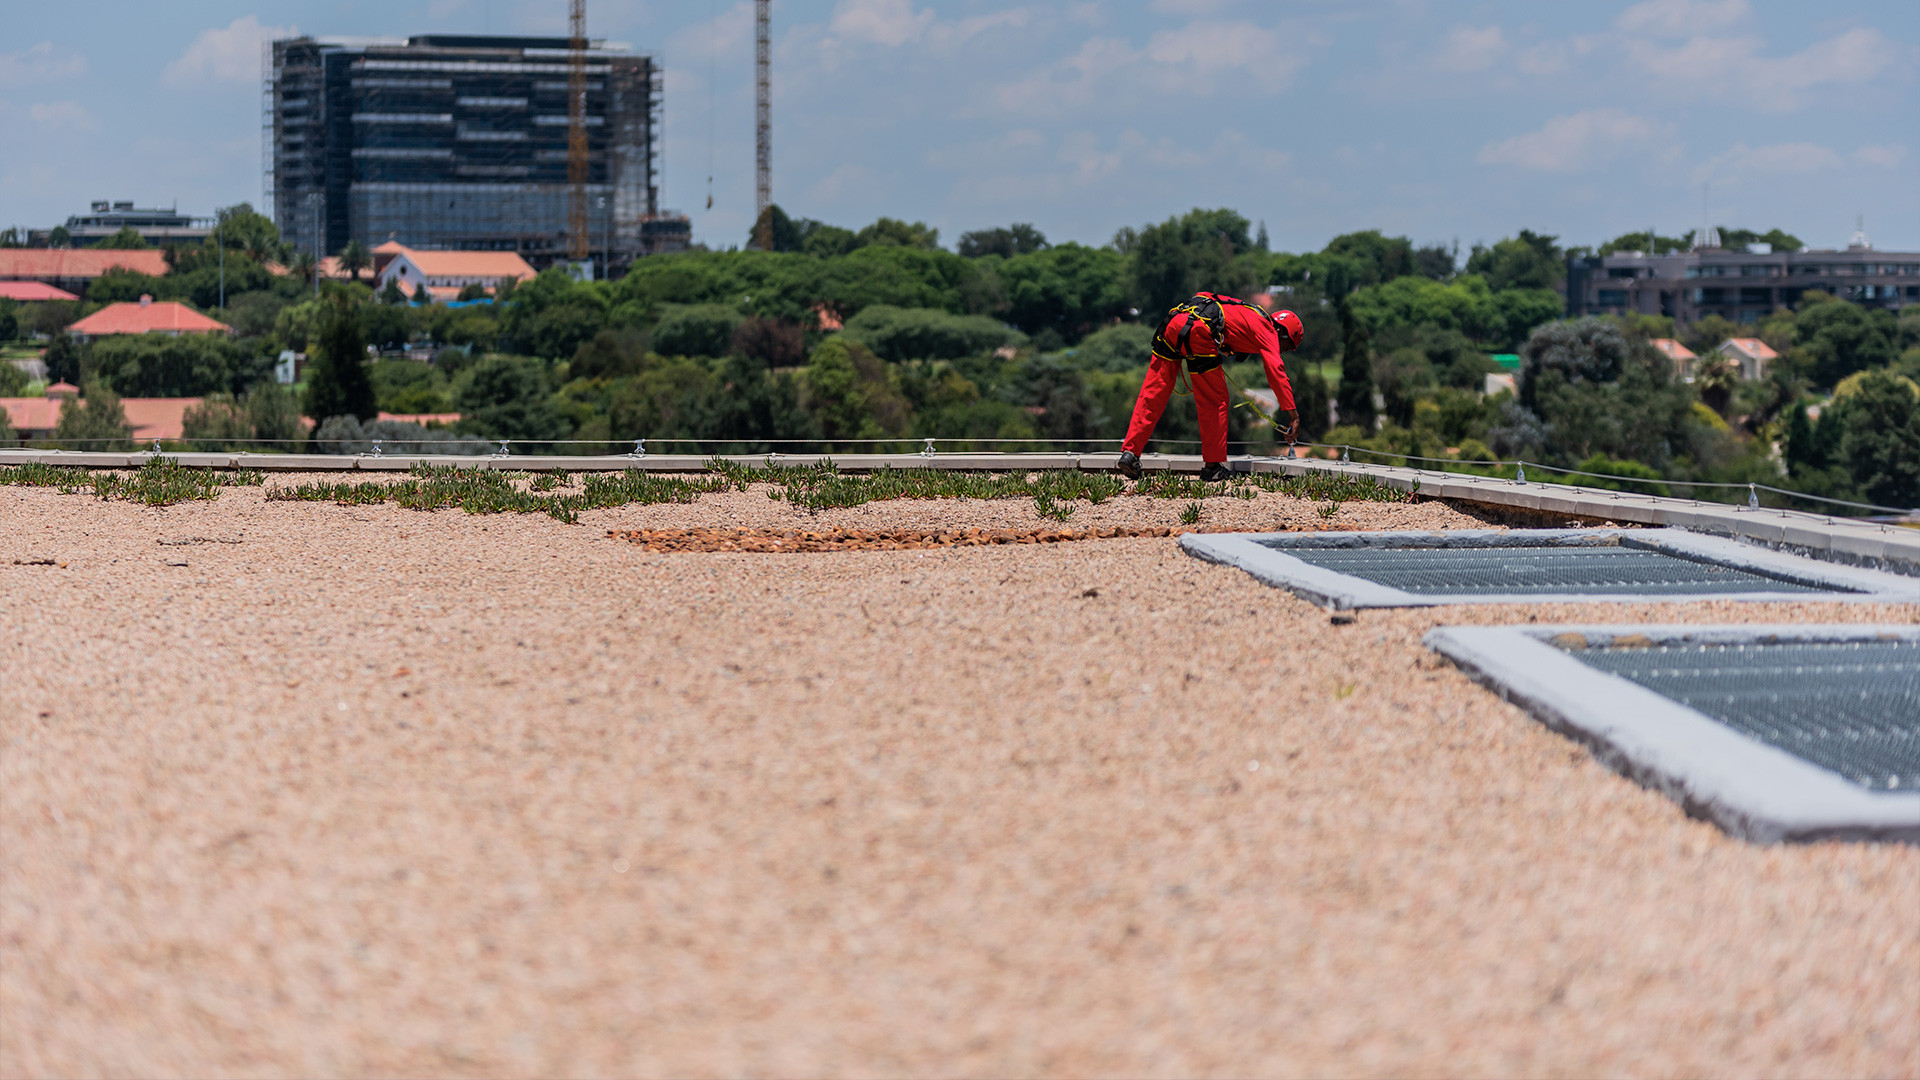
(1155, 392)
(1210, 394)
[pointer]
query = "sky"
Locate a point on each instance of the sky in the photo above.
(1445, 122)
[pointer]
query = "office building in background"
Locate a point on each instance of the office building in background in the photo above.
(460, 143)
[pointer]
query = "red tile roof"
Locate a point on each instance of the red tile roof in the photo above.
(32, 413)
(488, 265)
(28, 291)
(20, 263)
(1673, 349)
(1752, 346)
(151, 418)
(423, 419)
(165, 316)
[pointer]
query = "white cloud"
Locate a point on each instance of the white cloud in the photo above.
(1471, 48)
(69, 115)
(1570, 143)
(1778, 158)
(41, 63)
(1732, 67)
(1885, 156)
(224, 55)
(1546, 58)
(725, 35)
(1191, 56)
(883, 22)
(1681, 18)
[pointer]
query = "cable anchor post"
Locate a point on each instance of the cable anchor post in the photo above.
(1520, 475)
(503, 451)
(1753, 497)
(639, 449)
(1344, 459)
(376, 448)
(156, 446)
(927, 452)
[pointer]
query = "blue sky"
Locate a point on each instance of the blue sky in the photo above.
(1437, 120)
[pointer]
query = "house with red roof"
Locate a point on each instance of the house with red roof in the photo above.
(151, 418)
(29, 292)
(1681, 356)
(445, 273)
(1752, 354)
(146, 317)
(74, 269)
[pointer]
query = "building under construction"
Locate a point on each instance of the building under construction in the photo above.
(460, 142)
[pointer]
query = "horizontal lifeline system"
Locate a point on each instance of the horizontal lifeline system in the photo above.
(825, 449)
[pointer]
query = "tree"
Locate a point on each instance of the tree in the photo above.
(304, 267)
(9, 319)
(773, 230)
(127, 239)
(1526, 261)
(160, 365)
(59, 237)
(888, 232)
(95, 422)
(63, 359)
(337, 380)
(421, 295)
(393, 293)
(1020, 239)
(13, 381)
(696, 330)
(1777, 239)
(898, 334)
(774, 343)
(355, 258)
(1356, 374)
(1839, 339)
(1879, 438)
(849, 393)
(1200, 250)
(506, 397)
(1591, 389)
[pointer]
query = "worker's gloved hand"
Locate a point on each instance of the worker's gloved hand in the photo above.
(1287, 422)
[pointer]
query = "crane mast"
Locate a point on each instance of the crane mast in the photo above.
(577, 160)
(762, 123)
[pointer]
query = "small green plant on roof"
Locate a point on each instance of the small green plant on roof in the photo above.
(1327, 511)
(482, 491)
(163, 481)
(1043, 504)
(1190, 515)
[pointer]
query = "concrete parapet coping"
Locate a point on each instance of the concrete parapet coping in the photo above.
(1752, 790)
(1862, 543)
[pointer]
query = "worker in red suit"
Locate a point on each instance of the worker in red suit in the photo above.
(1205, 332)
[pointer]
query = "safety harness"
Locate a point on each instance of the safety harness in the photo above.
(1207, 308)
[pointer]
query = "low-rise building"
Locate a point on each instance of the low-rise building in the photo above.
(1740, 286)
(156, 226)
(146, 317)
(35, 418)
(30, 292)
(446, 273)
(75, 269)
(1752, 354)
(1681, 356)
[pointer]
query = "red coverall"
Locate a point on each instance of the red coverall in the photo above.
(1248, 331)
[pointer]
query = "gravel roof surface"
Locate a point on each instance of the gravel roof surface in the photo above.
(375, 791)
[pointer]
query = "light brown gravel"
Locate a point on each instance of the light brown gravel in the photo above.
(383, 792)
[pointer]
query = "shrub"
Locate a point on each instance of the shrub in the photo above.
(347, 435)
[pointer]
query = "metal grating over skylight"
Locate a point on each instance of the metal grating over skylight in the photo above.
(1533, 571)
(1793, 732)
(1849, 706)
(1481, 566)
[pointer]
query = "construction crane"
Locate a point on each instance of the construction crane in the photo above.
(577, 160)
(762, 124)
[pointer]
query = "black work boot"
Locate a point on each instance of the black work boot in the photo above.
(1128, 465)
(1214, 470)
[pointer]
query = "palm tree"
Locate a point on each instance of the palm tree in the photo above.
(355, 258)
(303, 265)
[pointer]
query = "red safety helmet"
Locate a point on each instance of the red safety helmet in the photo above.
(1290, 329)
